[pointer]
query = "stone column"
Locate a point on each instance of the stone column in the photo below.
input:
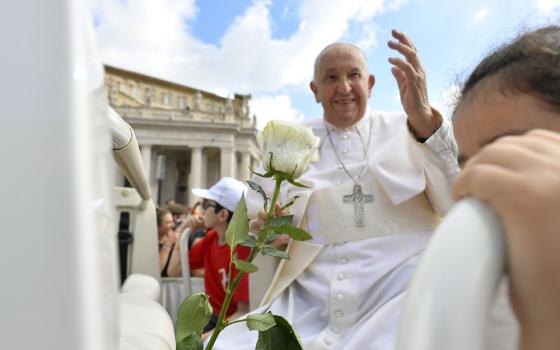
(204, 169)
(227, 165)
(244, 173)
(196, 172)
(170, 182)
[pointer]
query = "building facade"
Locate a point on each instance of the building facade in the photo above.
(188, 138)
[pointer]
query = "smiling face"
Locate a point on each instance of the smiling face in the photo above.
(342, 84)
(486, 114)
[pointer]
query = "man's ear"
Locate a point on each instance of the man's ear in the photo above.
(313, 88)
(371, 83)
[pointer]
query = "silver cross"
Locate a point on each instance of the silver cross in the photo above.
(357, 198)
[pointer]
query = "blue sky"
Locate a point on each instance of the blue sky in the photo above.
(266, 48)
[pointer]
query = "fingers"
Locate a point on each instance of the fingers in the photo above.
(505, 171)
(400, 77)
(261, 215)
(491, 167)
(514, 156)
(406, 67)
(543, 142)
(255, 225)
(279, 212)
(487, 182)
(406, 48)
(545, 134)
(403, 38)
(195, 222)
(280, 240)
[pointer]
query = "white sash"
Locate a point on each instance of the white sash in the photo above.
(330, 220)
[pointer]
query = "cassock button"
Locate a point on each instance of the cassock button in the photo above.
(338, 313)
(343, 260)
(345, 136)
(327, 341)
(345, 151)
(335, 330)
(340, 276)
(339, 297)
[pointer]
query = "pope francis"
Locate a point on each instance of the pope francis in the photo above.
(375, 197)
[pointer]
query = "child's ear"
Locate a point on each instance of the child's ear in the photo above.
(223, 215)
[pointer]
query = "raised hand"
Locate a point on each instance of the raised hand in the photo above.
(411, 79)
(256, 225)
(195, 222)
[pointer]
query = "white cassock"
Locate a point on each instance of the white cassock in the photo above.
(344, 289)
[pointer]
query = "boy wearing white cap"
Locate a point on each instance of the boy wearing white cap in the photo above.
(212, 254)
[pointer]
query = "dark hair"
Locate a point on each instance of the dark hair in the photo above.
(529, 64)
(230, 213)
(160, 213)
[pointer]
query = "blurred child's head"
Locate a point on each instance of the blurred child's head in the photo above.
(515, 89)
(220, 200)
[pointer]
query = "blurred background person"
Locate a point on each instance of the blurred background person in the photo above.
(169, 248)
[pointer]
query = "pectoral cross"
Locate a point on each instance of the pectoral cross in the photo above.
(357, 198)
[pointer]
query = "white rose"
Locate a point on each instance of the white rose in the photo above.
(291, 147)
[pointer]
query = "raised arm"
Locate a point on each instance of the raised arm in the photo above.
(423, 120)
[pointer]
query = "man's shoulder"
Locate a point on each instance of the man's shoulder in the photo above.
(389, 117)
(382, 118)
(389, 122)
(315, 124)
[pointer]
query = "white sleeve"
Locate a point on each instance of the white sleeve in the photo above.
(439, 163)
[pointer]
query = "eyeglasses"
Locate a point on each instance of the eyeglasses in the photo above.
(206, 205)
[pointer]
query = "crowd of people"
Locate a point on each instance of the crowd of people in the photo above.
(344, 289)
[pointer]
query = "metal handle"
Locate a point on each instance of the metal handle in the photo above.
(448, 301)
(127, 154)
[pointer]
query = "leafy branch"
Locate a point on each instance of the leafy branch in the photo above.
(195, 311)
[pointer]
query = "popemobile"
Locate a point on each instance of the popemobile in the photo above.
(59, 256)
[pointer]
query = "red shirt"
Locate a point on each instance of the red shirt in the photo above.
(215, 259)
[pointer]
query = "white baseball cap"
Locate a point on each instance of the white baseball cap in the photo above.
(226, 192)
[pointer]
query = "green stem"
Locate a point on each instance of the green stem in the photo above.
(229, 294)
(236, 321)
(272, 209)
(233, 286)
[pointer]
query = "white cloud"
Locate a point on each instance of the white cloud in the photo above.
(153, 37)
(545, 6)
(395, 4)
(481, 14)
(269, 107)
(364, 35)
(447, 99)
